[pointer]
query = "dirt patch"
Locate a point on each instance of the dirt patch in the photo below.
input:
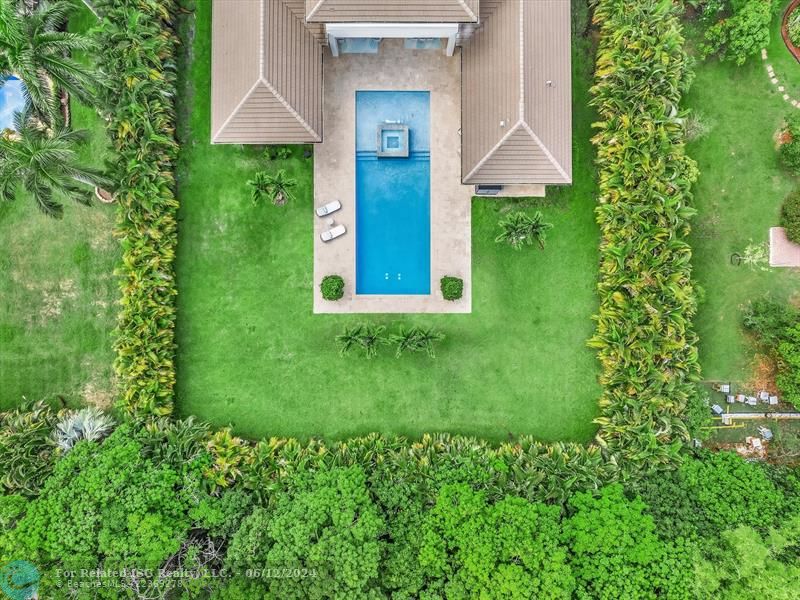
(764, 372)
(53, 299)
(98, 396)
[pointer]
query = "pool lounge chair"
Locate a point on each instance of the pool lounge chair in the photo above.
(330, 207)
(332, 234)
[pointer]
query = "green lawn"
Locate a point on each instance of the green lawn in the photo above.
(58, 292)
(739, 195)
(252, 354)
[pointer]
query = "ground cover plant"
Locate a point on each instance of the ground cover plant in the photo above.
(57, 287)
(252, 354)
(738, 197)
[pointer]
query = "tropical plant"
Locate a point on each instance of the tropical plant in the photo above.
(46, 166)
(275, 188)
(645, 341)
(520, 229)
(88, 423)
(35, 48)
(793, 23)
(138, 56)
(367, 337)
(26, 451)
(755, 256)
(332, 287)
(697, 126)
(790, 216)
(452, 287)
(277, 152)
(790, 143)
(230, 454)
(417, 339)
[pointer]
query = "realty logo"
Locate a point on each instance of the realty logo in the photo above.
(19, 580)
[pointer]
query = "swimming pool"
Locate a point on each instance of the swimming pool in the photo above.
(393, 196)
(11, 102)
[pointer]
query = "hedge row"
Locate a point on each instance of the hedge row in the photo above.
(138, 59)
(644, 337)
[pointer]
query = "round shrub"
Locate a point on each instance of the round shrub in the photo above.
(332, 287)
(790, 216)
(452, 287)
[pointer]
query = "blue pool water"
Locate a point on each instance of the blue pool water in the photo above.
(11, 102)
(393, 197)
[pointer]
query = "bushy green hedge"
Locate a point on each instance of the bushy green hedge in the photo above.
(645, 340)
(790, 216)
(452, 287)
(332, 287)
(138, 58)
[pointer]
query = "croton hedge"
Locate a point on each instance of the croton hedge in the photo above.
(138, 58)
(644, 337)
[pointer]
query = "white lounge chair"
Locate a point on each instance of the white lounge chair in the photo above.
(332, 234)
(330, 207)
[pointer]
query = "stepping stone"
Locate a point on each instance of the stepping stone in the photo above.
(774, 81)
(795, 103)
(781, 88)
(763, 54)
(786, 97)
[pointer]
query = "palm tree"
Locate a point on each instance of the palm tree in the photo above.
(372, 337)
(417, 339)
(520, 230)
(33, 49)
(46, 166)
(276, 188)
(351, 338)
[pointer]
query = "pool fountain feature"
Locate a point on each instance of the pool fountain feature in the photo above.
(392, 140)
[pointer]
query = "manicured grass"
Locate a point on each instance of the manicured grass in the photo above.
(58, 293)
(738, 196)
(252, 354)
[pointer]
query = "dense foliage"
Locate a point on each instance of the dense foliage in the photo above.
(138, 59)
(519, 229)
(790, 216)
(777, 328)
(793, 25)
(376, 517)
(645, 339)
(332, 287)
(452, 287)
(742, 32)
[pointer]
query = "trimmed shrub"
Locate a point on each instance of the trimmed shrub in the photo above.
(452, 287)
(790, 144)
(645, 340)
(743, 34)
(332, 287)
(790, 216)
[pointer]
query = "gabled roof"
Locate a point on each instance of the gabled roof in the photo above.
(392, 11)
(266, 82)
(517, 100)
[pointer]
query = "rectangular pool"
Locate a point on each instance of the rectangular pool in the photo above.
(393, 197)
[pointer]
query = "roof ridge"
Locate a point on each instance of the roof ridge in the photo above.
(546, 151)
(496, 147)
(467, 9)
(314, 10)
(291, 109)
(237, 109)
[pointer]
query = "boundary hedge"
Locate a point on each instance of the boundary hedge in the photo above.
(645, 341)
(138, 59)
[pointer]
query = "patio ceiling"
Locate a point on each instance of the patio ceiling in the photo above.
(266, 74)
(392, 11)
(517, 100)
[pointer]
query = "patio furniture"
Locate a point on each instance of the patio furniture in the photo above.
(725, 388)
(332, 234)
(773, 400)
(763, 396)
(751, 401)
(717, 409)
(731, 399)
(740, 397)
(330, 207)
(765, 433)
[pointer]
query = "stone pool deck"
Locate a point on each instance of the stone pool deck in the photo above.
(394, 68)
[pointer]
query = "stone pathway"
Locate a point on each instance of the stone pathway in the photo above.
(775, 81)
